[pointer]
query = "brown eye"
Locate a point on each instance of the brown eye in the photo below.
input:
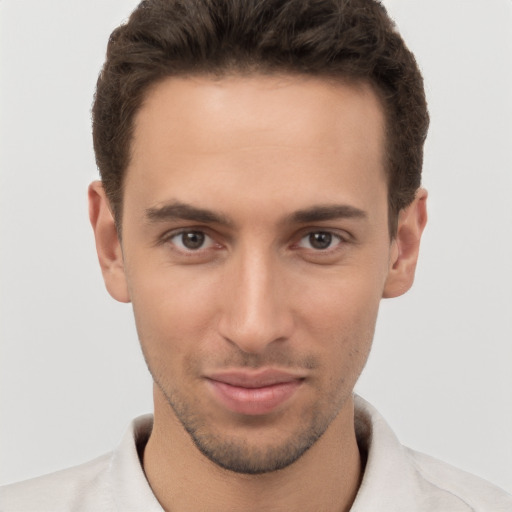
(191, 241)
(321, 240)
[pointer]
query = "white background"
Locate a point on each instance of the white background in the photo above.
(71, 373)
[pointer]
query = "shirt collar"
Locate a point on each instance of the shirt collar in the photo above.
(130, 488)
(391, 481)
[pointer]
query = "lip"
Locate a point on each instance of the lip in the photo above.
(254, 392)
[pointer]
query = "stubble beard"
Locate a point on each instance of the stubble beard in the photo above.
(238, 455)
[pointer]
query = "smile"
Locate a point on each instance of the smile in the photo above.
(254, 394)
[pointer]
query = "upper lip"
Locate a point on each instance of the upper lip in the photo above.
(255, 378)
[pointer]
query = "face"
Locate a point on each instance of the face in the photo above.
(255, 252)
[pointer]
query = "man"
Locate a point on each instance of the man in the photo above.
(260, 193)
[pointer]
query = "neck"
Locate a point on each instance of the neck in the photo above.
(326, 478)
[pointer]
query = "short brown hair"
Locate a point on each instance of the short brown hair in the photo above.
(349, 39)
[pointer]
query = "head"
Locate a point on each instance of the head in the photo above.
(261, 161)
(346, 40)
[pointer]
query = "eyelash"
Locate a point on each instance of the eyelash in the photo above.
(333, 236)
(169, 237)
(341, 239)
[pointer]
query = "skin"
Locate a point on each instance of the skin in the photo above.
(257, 291)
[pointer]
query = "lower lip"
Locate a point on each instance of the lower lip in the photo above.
(254, 401)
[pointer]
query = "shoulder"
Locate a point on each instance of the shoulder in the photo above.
(398, 479)
(80, 488)
(114, 481)
(477, 493)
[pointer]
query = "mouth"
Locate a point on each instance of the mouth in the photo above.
(254, 392)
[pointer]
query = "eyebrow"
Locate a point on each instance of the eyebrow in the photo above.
(182, 211)
(326, 212)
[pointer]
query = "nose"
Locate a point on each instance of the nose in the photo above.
(255, 311)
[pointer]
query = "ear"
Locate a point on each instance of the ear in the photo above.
(406, 245)
(108, 246)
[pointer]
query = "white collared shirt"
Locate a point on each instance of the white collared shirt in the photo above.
(396, 479)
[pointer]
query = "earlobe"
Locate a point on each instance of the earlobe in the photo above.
(405, 246)
(108, 246)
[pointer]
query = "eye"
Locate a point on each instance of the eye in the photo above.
(320, 240)
(190, 241)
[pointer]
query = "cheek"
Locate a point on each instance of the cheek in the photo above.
(172, 310)
(345, 301)
(340, 322)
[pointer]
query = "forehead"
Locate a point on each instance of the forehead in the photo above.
(202, 106)
(274, 135)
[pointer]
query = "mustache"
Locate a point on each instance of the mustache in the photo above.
(240, 359)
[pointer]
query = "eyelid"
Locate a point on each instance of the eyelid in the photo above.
(342, 239)
(168, 236)
(335, 240)
(343, 236)
(338, 233)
